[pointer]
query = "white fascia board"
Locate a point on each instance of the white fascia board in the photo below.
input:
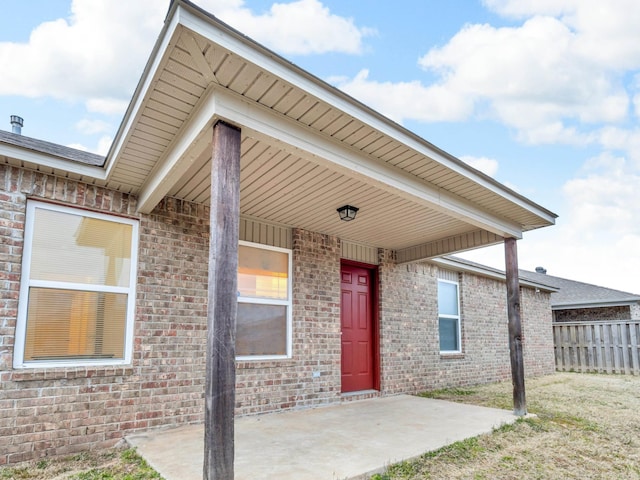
(265, 124)
(168, 36)
(485, 271)
(51, 161)
(260, 56)
(187, 146)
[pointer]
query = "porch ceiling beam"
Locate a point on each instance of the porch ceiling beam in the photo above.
(263, 123)
(445, 246)
(198, 58)
(188, 144)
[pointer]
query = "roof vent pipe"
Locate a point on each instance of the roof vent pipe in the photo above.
(16, 124)
(541, 270)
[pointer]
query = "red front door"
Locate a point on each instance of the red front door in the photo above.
(357, 329)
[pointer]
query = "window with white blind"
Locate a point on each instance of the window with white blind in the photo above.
(77, 296)
(263, 327)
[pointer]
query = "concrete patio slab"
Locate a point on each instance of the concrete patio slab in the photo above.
(333, 443)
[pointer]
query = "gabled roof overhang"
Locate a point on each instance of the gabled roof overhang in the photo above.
(307, 148)
(463, 265)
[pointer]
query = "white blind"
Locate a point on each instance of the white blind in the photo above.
(78, 249)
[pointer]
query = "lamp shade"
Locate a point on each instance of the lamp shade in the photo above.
(347, 212)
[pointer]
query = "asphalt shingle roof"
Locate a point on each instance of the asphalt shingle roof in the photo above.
(576, 293)
(50, 148)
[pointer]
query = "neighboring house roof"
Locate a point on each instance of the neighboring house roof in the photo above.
(464, 265)
(572, 294)
(35, 146)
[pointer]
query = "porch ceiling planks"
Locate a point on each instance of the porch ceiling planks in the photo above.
(196, 54)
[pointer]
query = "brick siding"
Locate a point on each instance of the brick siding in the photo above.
(66, 410)
(311, 376)
(537, 332)
(595, 314)
(61, 410)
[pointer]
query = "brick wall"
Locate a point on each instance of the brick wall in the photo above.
(409, 344)
(170, 329)
(54, 411)
(66, 410)
(411, 359)
(312, 376)
(409, 331)
(602, 314)
(537, 332)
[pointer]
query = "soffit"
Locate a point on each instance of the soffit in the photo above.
(286, 189)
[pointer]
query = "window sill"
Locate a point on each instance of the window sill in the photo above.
(245, 364)
(60, 373)
(451, 356)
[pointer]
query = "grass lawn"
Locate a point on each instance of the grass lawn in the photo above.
(586, 427)
(114, 464)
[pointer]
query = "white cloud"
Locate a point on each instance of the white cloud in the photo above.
(603, 201)
(525, 8)
(97, 54)
(554, 132)
(407, 100)
(598, 229)
(104, 144)
(552, 79)
(90, 127)
(296, 28)
(530, 75)
(622, 139)
(607, 32)
(107, 106)
(101, 148)
(636, 104)
(98, 51)
(486, 165)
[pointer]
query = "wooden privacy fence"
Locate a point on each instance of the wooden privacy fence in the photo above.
(602, 347)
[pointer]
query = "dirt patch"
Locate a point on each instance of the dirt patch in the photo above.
(587, 426)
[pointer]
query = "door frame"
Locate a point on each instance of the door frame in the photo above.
(375, 316)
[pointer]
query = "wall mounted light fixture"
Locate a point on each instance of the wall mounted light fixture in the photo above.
(347, 213)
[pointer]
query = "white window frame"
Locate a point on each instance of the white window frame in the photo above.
(458, 319)
(26, 283)
(273, 301)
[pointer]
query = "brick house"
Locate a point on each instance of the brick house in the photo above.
(106, 281)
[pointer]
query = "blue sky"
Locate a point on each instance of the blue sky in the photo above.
(543, 95)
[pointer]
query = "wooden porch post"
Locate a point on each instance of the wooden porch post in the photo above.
(220, 383)
(515, 327)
